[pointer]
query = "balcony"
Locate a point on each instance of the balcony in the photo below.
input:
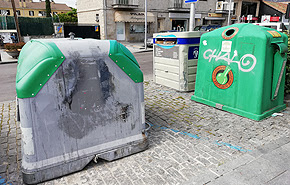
(177, 5)
(223, 7)
(125, 4)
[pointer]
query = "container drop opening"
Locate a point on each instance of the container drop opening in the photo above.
(230, 32)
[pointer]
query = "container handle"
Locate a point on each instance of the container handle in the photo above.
(283, 48)
(280, 60)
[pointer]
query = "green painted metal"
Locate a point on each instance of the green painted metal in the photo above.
(126, 61)
(37, 62)
(241, 69)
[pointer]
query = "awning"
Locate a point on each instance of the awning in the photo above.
(215, 18)
(122, 16)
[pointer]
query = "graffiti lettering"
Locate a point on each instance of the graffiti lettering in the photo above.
(246, 64)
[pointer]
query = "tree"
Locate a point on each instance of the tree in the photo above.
(70, 16)
(48, 8)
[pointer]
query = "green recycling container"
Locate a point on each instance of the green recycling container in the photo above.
(241, 69)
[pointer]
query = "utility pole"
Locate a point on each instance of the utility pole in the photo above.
(229, 16)
(145, 39)
(192, 17)
(16, 20)
(192, 14)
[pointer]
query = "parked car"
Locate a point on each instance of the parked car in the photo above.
(165, 31)
(149, 42)
(275, 25)
(206, 27)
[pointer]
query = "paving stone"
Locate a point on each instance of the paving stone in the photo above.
(3, 168)
(203, 161)
(202, 177)
(173, 157)
(229, 179)
(175, 174)
(229, 166)
(281, 179)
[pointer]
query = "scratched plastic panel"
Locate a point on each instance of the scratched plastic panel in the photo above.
(89, 106)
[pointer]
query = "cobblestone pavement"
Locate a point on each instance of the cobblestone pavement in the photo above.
(187, 140)
(10, 145)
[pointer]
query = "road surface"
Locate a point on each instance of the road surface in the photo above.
(8, 74)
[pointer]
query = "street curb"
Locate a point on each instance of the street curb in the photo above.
(9, 101)
(10, 62)
(143, 51)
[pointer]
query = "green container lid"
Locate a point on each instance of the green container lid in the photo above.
(37, 62)
(126, 61)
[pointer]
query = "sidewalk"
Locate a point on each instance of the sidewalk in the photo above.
(5, 58)
(190, 143)
(136, 47)
(268, 164)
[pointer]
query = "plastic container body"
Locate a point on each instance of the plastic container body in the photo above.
(77, 102)
(241, 69)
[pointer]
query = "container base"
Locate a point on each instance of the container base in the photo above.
(239, 112)
(41, 175)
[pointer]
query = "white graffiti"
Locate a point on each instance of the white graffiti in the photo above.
(195, 53)
(245, 64)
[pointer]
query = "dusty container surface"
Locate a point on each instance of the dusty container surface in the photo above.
(241, 69)
(175, 57)
(77, 99)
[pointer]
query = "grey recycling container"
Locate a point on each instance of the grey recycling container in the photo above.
(78, 99)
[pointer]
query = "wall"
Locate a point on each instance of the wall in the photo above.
(25, 12)
(87, 10)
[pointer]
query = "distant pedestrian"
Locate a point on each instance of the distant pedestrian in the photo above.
(13, 37)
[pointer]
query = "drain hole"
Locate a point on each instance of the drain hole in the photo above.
(230, 32)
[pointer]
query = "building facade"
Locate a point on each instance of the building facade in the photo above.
(28, 8)
(247, 11)
(273, 11)
(124, 19)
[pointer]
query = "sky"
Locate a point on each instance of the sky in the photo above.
(70, 3)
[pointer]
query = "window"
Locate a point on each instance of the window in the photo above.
(248, 8)
(138, 28)
(31, 13)
(18, 12)
(41, 13)
(97, 18)
(4, 12)
(178, 3)
(135, 28)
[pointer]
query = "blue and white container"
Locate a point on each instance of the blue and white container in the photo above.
(175, 59)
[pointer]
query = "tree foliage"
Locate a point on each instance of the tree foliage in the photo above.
(70, 16)
(287, 76)
(48, 8)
